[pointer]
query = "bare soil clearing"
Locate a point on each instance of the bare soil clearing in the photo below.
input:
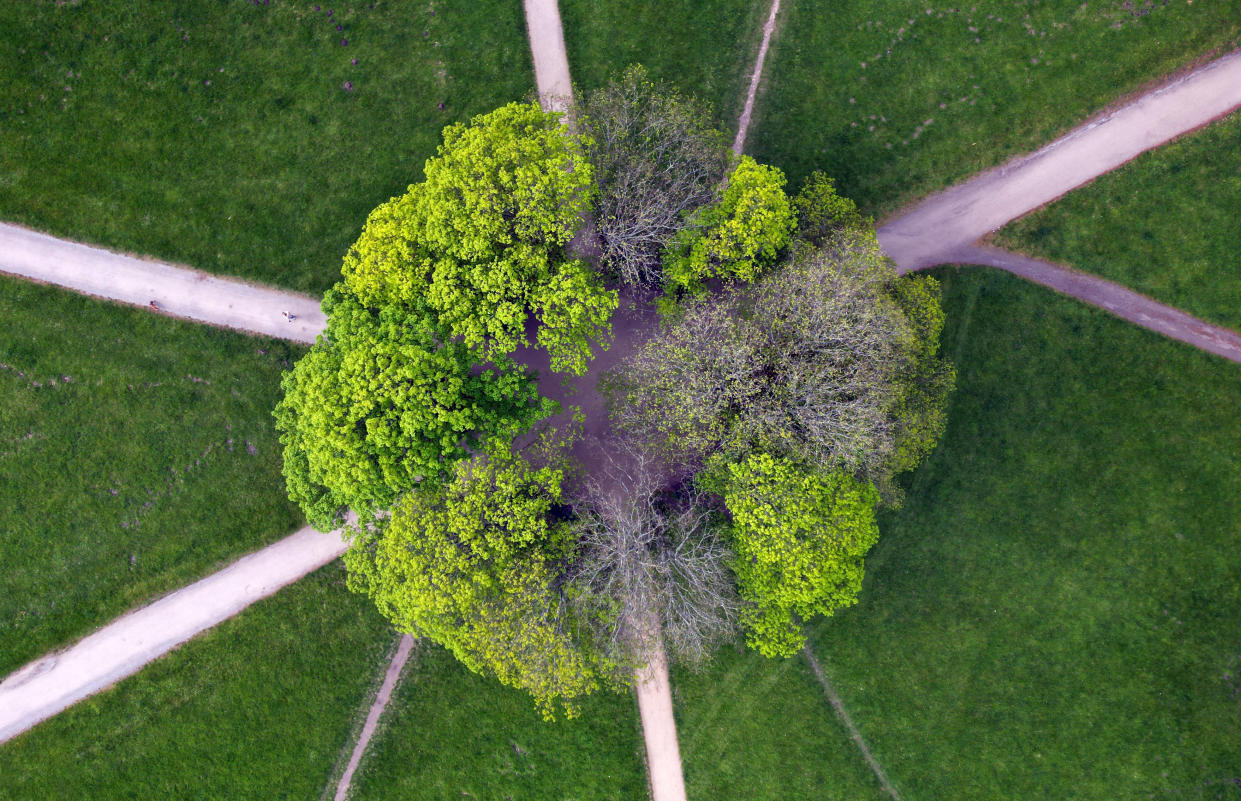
(939, 230)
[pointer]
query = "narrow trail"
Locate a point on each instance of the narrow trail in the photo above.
(48, 685)
(756, 76)
(1119, 300)
(176, 291)
(382, 697)
(837, 704)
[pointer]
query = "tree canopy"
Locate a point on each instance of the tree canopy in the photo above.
(472, 564)
(657, 161)
(481, 242)
(758, 428)
(805, 363)
(738, 236)
(383, 400)
(799, 537)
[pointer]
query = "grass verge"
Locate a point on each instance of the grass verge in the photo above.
(756, 728)
(1166, 224)
(706, 49)
(1054, 612)
(242, 138)
(450, 734)
(898, 99)
(139, 453)
(257, 708)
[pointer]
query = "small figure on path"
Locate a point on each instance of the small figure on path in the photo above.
(287, 316)
(154, 306)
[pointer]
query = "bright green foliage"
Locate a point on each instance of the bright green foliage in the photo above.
(512, 175)
(471, 565)
(920, 392)
(385, 265)
(481, 241)
(740, 235)
(821, 212)
(383, 401)
(572, 310)
(799, 539)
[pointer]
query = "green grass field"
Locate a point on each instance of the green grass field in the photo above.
(898, 99)
(139, 453)
(451, 734)
(258, 708)
(755, 728)
(1054, 612)
(1165, 224)
(704, 48)
(234, 137)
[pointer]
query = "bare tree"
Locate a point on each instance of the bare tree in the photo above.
(656, 160)
(833, 342)
(649, 563)
(679, 393)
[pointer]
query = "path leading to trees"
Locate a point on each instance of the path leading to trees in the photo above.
(837, 704)
(48, 685)
(177, 291)
(756, 75)
(1117, 299)
(659, 731)
(934, 229)
(551, 59)
(382, 697)
(939, 230)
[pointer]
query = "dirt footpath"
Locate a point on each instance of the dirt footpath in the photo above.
(925, 235)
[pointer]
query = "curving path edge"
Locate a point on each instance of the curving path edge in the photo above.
(1108, 295)
(940, 230)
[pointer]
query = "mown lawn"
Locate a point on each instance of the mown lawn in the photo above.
(756, 728)
(258, 708)
(705, 49)
(138, 453)
(1054, 612)
(237, 137)
(451, 734)
(898, 99)
(1166, 224)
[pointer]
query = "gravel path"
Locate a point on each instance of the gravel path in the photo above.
(939, 230)
(659, 730)
(177, 291)
(551, 60)
(47, 686)
(932, 230)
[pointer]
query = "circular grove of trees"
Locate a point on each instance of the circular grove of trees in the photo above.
(793, 377)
